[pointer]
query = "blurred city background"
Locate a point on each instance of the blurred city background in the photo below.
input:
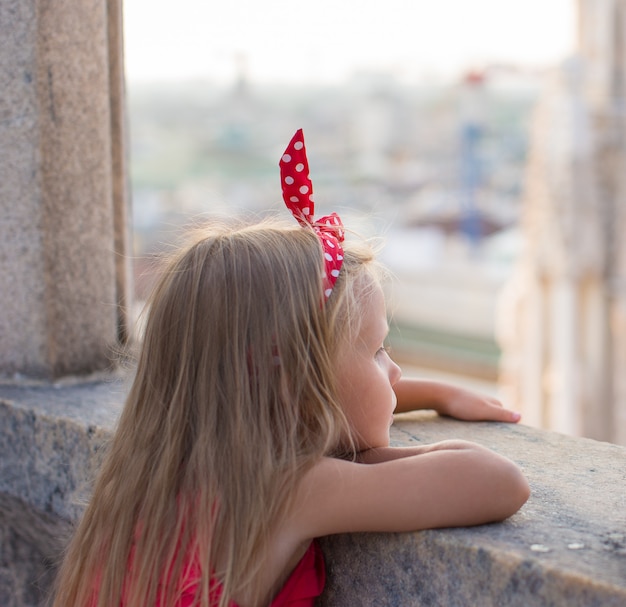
(418, 118)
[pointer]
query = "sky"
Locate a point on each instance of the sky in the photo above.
(324, 41)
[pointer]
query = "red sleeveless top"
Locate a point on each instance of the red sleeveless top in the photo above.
(303, 586)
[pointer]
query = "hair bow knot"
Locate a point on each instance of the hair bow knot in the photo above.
(298, 196)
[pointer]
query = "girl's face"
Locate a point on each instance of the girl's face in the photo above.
(367, 376)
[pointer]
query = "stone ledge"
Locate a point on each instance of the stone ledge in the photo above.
(567, 546)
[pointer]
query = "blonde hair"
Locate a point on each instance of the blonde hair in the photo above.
(233, 398)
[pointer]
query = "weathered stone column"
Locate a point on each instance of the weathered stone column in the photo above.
(63, 194)
(603, 44)
(563, 332)
(552, 331)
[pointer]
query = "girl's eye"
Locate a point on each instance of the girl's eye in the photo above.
(383, 350)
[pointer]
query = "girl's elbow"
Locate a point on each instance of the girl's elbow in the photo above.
(507, 484)
(514, 491)
(522, 489)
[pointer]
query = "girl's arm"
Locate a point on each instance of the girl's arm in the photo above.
(453, 483)
(450, 400)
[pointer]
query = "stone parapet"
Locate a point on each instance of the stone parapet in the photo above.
(567, 546)
(51, 437)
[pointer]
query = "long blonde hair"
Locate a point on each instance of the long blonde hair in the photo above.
(233, 398)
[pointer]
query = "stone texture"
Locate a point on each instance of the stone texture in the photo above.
(31, 542)
(59, 191)
(122, 216)
(567, 546)
(51, 440)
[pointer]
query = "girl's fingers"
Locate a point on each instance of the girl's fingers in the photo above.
(499, 413)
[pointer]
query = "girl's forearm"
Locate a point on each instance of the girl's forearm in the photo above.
(413, 394)
(386, 454)
(450, 400)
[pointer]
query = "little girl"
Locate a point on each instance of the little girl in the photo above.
(259, 420)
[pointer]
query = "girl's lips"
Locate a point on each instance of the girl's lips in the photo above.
(395, 404)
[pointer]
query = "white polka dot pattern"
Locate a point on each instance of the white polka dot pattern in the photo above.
(298, 196)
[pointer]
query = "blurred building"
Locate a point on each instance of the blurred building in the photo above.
(563, 322)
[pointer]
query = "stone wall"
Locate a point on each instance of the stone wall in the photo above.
(567, 546)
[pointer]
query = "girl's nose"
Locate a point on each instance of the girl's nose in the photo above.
(395, 373)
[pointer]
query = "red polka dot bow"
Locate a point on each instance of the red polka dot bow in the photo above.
(298, 196)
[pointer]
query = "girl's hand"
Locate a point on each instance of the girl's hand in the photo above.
(471, 406)
(450, 400)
